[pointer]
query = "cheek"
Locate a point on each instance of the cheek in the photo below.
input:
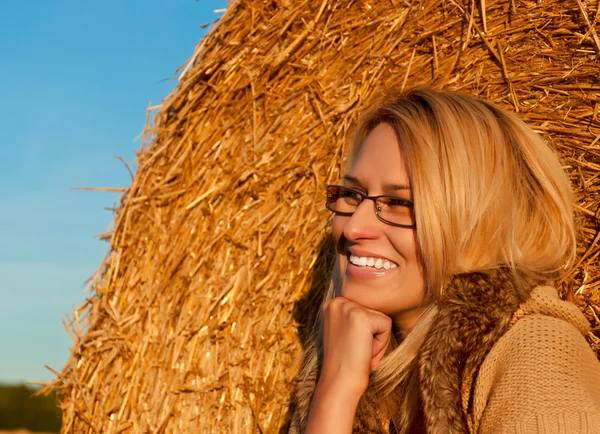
(337, 229)
(404, 242)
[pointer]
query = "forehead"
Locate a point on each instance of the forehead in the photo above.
(379, 160)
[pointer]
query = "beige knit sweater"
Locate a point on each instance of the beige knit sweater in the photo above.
(541, 376)
(493, 363)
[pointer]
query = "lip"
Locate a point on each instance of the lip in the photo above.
(366, 273)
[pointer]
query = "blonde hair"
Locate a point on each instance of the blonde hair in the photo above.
(488, 192)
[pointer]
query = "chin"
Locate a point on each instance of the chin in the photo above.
(364, 294)
(384, 295)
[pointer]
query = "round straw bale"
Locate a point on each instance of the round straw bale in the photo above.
(196, 319)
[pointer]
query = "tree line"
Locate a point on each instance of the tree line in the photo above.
(20, 409)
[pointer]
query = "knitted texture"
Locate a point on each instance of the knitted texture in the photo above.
(528, 368)
(541, 376)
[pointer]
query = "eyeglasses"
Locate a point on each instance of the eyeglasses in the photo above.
(393, 210)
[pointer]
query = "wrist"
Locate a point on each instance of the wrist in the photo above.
(332, 409)
(340, 388)
(344, 381)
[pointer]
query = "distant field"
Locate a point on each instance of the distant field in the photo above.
(23, 431)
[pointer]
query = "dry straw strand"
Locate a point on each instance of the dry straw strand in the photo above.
(196, 319)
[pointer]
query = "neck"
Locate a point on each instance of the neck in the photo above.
(406, 321)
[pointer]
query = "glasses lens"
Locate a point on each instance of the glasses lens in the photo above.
(341, 199)
(390, 209)
(396, 210)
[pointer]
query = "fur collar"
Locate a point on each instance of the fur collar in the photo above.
(474, 312)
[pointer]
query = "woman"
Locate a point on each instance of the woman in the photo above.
(450, 225)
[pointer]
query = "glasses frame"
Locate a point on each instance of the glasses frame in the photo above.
(409, 203)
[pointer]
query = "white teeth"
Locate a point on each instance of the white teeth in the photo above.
(378, 263)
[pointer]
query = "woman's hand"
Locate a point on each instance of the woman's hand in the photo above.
(354, 341)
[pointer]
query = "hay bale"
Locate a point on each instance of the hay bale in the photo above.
(220, 247)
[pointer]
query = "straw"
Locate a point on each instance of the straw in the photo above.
(196, 318)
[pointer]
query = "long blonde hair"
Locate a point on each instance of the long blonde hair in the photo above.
(488, 192)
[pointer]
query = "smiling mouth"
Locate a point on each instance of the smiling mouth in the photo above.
(369, 262)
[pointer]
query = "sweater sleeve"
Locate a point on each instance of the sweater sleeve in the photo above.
(541, 377)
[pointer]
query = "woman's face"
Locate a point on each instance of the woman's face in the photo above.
(397, 291)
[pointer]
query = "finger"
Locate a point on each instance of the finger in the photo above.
(380, 326)
(378, 352)
(382, 333)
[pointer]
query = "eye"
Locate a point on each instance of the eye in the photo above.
(395, 205)
(350, 196)
(397, 201)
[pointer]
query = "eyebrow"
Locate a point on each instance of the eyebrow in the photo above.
(387, 187)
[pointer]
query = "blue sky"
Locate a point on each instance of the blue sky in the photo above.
(76, 78)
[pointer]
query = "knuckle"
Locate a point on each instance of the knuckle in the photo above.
(356, 314)
(337, 301)
(332, 304)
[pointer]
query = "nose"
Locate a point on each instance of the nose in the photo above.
(363, 223)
